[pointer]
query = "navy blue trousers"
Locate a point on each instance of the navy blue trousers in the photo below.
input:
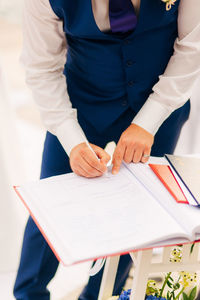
(38, 263)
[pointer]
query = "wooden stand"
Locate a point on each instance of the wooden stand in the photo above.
(144, 265)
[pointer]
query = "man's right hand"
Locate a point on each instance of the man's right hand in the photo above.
(84, 163)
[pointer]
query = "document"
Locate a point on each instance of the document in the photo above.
(85, 219)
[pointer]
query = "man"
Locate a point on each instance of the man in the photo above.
(130, 70)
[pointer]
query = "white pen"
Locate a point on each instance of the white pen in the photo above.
(87, 143)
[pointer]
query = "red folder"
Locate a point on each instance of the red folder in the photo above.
(164, 173)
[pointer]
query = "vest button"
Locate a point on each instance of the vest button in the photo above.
(127, 42)
(131, 83)
(129, 63)
(124, 103)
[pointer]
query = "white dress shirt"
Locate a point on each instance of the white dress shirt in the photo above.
(44, 55)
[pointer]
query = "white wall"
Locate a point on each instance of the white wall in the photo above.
(11, 214)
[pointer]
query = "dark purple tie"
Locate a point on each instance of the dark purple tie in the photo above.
(122, 16)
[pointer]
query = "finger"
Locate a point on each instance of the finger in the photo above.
(91, 171)
(138, 154)
(102, 154)
(146, 155)
(129, 152)
(80, 172)
(83, 173)
(118, 158)
(93, 161)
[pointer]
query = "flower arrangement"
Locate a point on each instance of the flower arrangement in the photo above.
(169, 3)
(183, 287)
(175, 288)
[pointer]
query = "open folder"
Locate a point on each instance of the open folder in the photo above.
(84, 219)
(188, 170)
(166, 176)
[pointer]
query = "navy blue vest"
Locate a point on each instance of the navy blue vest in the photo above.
(107, 74)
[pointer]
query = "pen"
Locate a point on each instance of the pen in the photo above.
(87, 143)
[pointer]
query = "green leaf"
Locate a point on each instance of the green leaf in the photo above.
(193, 293)
(185, 297)
(192, 247)
(169, 296)
(169, 284)
(176, 286)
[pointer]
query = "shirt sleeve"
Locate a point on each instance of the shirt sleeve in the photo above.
(175, 86)
(43, 56)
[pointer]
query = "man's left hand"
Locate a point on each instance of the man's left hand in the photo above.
(134, 146)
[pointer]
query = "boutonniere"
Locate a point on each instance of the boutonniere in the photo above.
(169, 3)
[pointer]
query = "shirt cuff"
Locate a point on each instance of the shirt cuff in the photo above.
(152, 115)
(70, 134)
